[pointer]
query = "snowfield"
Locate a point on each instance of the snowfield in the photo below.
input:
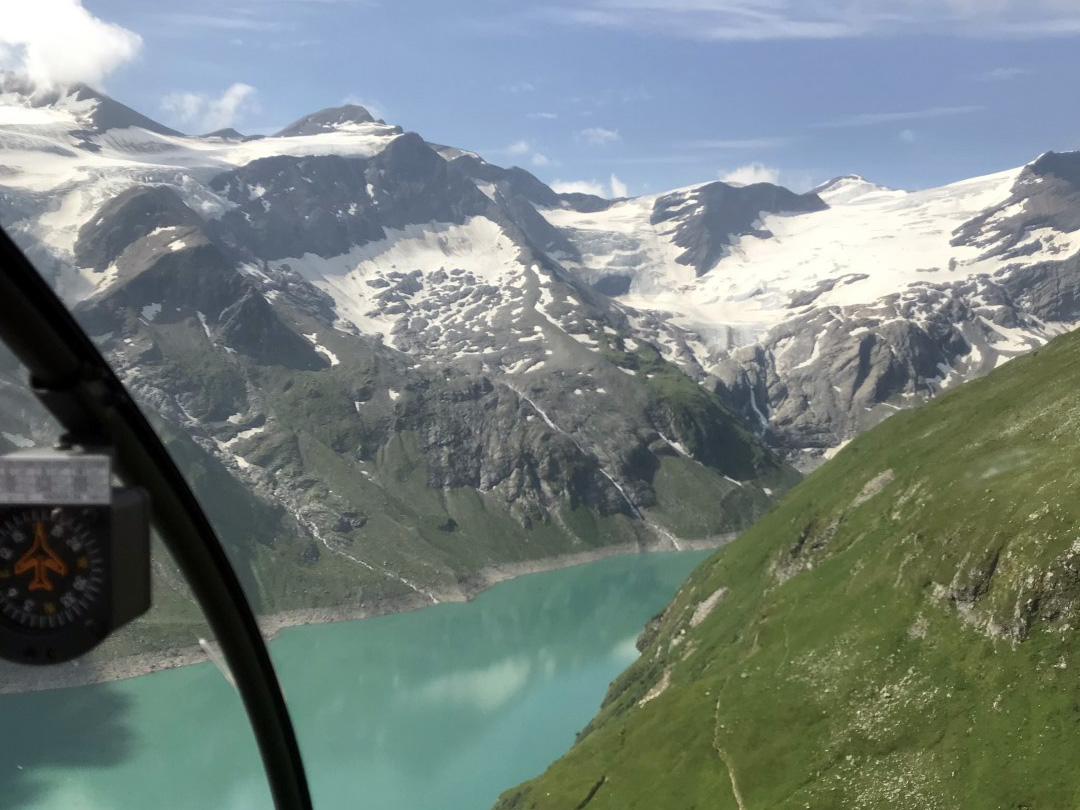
(378, 285)
(869, 244)
(66, 173)
(811, 322)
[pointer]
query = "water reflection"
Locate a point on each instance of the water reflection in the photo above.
(484, 689)
(74, 728)
(476, 697)
(444, 707)
(179, 735)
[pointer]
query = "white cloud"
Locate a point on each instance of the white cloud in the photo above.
(1004, 74)
(578, 187)
(599, 136)
(751, 173)
(618, 187)
(518, 148)
(540, 159)
(614, 188)
(186, 106)
(758, 20)
(209, 113)
(873, 119)
(520, 87)
(56, 42)
(907, 135)
(546, 116)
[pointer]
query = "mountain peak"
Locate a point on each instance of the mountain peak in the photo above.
(846, 188)
(91, 109)
(1065, 165)
(228, 134)
(328, 120)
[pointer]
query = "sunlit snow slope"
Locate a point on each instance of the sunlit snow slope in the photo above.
(948, 282)
(368, 334)
(814, 315)
(59, 166)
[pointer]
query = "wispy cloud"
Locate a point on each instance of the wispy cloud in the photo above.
(798, 180)
(1064, 26)
(236, 22)
(635, 95)
(543, 116)
(1004, 74)
(757, 20)
(735, 144)
(524, 148)
(617, 186)
(659, 160)
(908, 135)
(520, 87)
(210, 113)
(873, 119)
(599, 136)
(518, 148)
(750, 174)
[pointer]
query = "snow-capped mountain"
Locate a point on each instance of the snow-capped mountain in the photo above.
(419, 363)
(818, 320)
(374, 335)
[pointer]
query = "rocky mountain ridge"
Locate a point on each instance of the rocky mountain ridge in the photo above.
(421, 362)
(818, 324)
(377, 347)
(899, 632)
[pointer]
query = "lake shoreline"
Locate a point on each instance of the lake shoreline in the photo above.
(16, 679)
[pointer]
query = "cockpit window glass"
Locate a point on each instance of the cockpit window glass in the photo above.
(612, 403)
(88, 733)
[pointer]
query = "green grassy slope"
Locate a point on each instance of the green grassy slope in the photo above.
(898, 633)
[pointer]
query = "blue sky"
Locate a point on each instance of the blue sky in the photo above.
(658, 93)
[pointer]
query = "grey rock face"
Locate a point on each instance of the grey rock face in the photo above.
(810, 373)
(111, 114)
(709, 218)
(518, 193)
(826, 375)
(128, 217)
(288, 206)
(585, 203)
(228, 134)
(381, 350)
(1046, 196)
(107, 113)
(427, 363)
(327, 120)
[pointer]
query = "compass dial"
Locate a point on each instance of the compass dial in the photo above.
(52, 566)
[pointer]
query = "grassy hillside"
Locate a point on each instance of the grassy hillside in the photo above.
(898, 633)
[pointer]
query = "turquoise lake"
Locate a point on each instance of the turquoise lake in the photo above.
(437, 709)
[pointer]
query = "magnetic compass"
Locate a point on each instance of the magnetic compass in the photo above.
(74, 554)
(52, 565)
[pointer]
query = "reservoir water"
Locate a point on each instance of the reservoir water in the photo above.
(436, 709)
